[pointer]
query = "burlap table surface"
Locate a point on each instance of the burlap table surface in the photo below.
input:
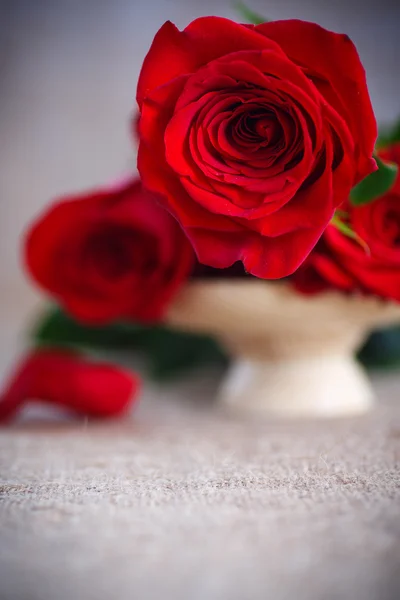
(182, 501)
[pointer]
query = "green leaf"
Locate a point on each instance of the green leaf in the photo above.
(167, 353)
(388, 135)
(382, 350)
(249, 15)
(374, 185)
(57, 328)
(346, 230)
(171, 353)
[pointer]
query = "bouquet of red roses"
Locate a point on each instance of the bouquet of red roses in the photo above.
(257, 158)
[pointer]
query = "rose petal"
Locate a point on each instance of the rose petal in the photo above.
(65, 379)
(302, 42)
(175, 52)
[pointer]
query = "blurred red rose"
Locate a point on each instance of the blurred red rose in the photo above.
(108, 254)
(342, 263)
(253, 135)
(65, 379)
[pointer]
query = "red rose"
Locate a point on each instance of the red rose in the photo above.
(61, 378)
(340, 262)
(112, 253)
(253, 135)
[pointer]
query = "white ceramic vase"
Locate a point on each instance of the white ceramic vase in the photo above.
(293, 355)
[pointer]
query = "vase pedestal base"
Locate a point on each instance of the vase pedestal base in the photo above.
(293, 354)
(329, 386)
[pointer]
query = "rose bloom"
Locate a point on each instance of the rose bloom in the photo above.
(253, 135)
(342, 263)
(111, 253)
(67, 380)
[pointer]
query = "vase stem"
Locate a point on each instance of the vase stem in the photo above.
(325, 386)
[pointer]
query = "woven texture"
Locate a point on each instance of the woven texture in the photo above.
(182, 502)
